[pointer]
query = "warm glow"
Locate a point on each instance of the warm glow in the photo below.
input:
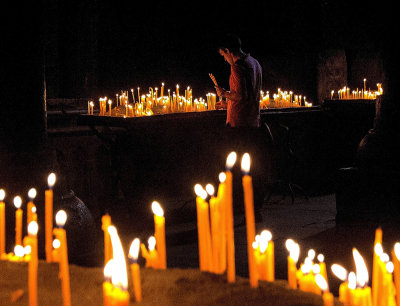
(222, 177)
(306, 267)
(61, 218)
(51, 180)
(134, 249)
(384, 257)
(19, 251)
(231, 159)
(339, 271)
(200, 192)
(289, 244)
(33, 209)
(246, 163)
(378, 249)
(27, 249)
(266, 235)
(397, 250)
(32, 193)
(108, 268)
(311, 254)
(263, 241)
(352, 280)
(157, 209)
(294, 249)
(321, 282)
(119, 274)
(56, 243)
(320, 257)
(361, 268)
(33, 228)
(2, 194)
(17, 202)
(316, 269)
(210, 189)
(151, 243)
(389, 267)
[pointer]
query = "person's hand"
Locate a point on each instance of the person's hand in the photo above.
(220, 104)
(219, 90)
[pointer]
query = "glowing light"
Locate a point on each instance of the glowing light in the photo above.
(61, 218)
(397, 250)
(32, 193)
(246, 163)
(200, 192)
(27, 250)
(134, 249)
(389, 267)
(2, 194)
(321, 282)
(56, 243)
(119, 274)
(378, 249)
(231, 159)
(19, 251)
(222, 177)
(320, 257)
(339, 271)
(361, 268)
(210, 189)
(157, 209)
(352, 280)
(33, 228)
(151, 243)
(51, 179)
(311, 254)
(17, 202)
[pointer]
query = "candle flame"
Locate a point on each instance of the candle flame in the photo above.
(56, 243)
(321, 282)
(397, 250)
(33, 228)
(134, 249)
(246, 163)
(32, 193)
(108, 268)
(2, 194)
(378, 249)
(316, 269)
(33, 209)
(339, 271)
(200, 192)
(151, 243)
(119, 274)
(51, 179)
(157, 209)
(389, 267)
(320, 257)
(27, 249)
(352, 280)
(294, 249)
(306, 267)
(289, 244)
(222, 177)
(311, 254)
(17, 202)
(19, 251)
(210, 189)
(61, 218)
(266, 234)
(384, 257)
(361, 268)
(231, 159)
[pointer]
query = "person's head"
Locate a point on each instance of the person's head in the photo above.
(230, 47)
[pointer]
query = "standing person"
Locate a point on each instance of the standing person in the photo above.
(243, 132)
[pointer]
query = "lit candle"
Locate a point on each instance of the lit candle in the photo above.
(135, 269)
(322, 266)
(221, 193)
(162, 90)
(341, 273)
(159, 233)
(250, 223)
(109, 107)
(60, 234)
(365, 85)
(267, 248)
(133, 96)
(389, 291)
(307, 279)
(119, 294)
(107, 285)
(56, 250)
(230, 241)
(51, 179)
(215, 221)
(2, 223)
(396, 266)
(18, 220)
(177, 93)
(376, 265)
(105, 223)
(362, 294)
(294, 252)
(29, 213)
(327, 297)
(33, 263)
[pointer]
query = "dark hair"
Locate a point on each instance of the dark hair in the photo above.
(231, 42)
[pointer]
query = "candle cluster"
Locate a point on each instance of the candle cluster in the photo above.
(283, 99)
(345, 94)
(152, 102)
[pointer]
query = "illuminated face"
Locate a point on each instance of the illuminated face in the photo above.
(227, 55)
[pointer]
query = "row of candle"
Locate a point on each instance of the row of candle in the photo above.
(283, 99)
(345, 94)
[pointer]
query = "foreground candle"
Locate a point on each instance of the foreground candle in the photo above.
(51, 179)
(250, 223)
(2, 223)
(159, 233)
(362, 294)
(60, 234)
(33, 263)
(341, 273)
(18, 220)
(135, 269)
(327, 297)
(375, 263)
(230, 241)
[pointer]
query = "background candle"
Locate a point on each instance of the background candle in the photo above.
(327, 297)
(33, 263)
(61, 218)
(135, 269)
(159, 233)
(341, 273)
(105, 223)
(51, 179)
(2, 223)
(18, 220)
(29, 214)
(294, 252)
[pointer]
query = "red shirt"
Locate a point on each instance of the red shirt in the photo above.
(245, 80)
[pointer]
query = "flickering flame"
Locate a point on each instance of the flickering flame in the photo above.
(33, 209)
(339, 271)
(389, 267)
(378, 249)
(33, 228)
(321, 282)
(397, 250)
(255, 245)
(108, 268)
(134, 249)
(320, 257)
(51, 179)
(61, 218)
(306, 267)
(222, 177)
(311, 254)
(294, 249)
(119, 274)
(2, 194)
(231, 159)
(266, 234)
(352, 280)
(316, 269)
(157, 209)
(263, 243)
(56, 243)
(17, 202)
(384, 257)
(151, 243)
(289, 244)
(27, 249)
(246, 163)
(361, 268)
(210, 189)
(19, 251)
(200, 192)
(32, 193)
